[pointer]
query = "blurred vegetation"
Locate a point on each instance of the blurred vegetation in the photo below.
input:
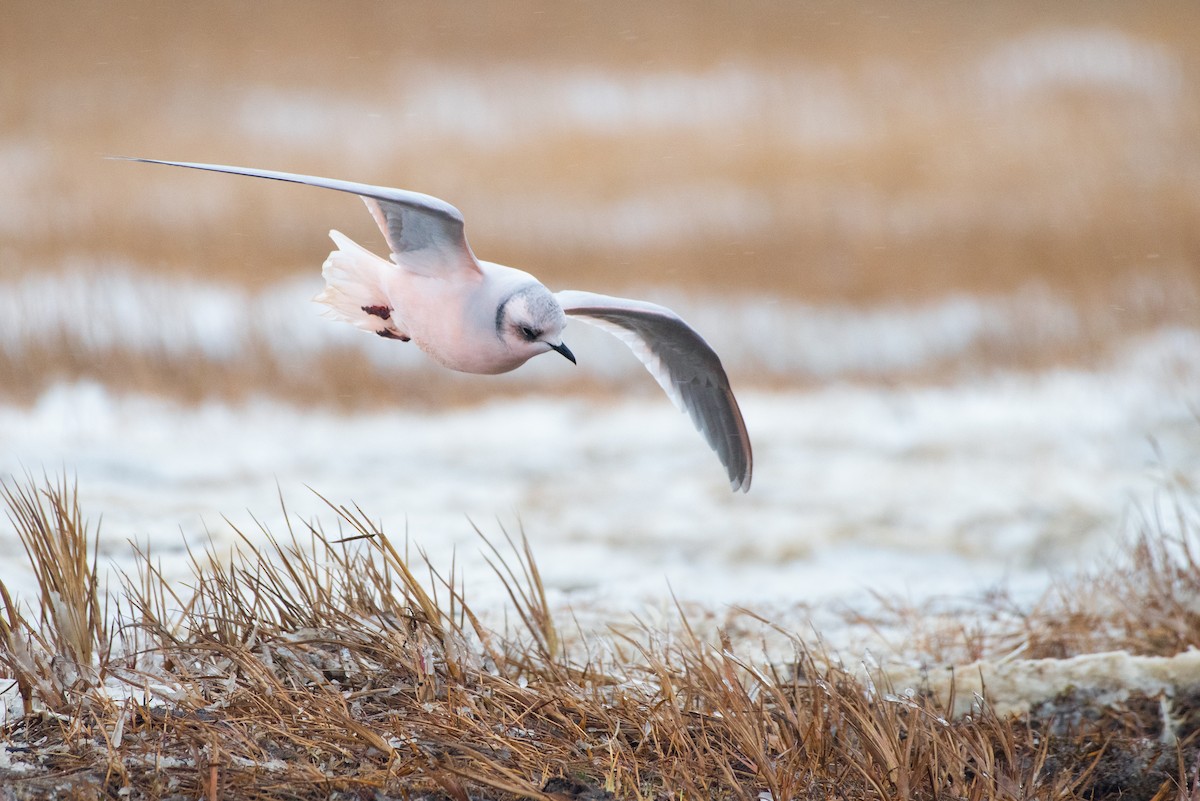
(849, 153)
(831, 151)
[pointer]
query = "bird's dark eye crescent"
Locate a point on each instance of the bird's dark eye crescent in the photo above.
(528, 333)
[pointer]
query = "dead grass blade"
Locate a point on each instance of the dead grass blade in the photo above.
(71, 635)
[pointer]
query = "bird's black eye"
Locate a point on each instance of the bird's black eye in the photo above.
(529, 333)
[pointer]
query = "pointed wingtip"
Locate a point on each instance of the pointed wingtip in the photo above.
(136, 158)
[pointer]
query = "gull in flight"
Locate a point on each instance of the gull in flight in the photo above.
(479, 317)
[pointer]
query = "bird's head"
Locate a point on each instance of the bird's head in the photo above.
(530, 321)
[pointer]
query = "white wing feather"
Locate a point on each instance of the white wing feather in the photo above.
(682, 363)
(425, 233)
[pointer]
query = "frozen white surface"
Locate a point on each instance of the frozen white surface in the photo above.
(1013, 686)
(100, 307)
(914, 490)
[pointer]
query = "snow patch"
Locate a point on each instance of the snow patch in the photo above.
(910, 490)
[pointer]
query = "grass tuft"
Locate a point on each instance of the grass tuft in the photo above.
(63, 653)
(309, 665)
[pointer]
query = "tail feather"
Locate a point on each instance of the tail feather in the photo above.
(355, 289)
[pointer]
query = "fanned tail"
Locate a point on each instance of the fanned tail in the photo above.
(355, 289)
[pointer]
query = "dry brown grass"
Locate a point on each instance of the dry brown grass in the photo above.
(1144, 603)
(1149, 607)
(320, 666)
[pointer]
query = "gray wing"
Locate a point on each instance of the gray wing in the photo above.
(423, 232)
(684, 365)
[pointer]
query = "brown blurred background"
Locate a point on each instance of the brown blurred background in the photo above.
(816, 152)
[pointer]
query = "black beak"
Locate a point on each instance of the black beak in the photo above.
(565, 351)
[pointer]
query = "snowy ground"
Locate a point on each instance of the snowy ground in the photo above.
(915, 490)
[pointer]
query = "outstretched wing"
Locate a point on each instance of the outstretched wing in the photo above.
(424, 233)
(684, 366)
